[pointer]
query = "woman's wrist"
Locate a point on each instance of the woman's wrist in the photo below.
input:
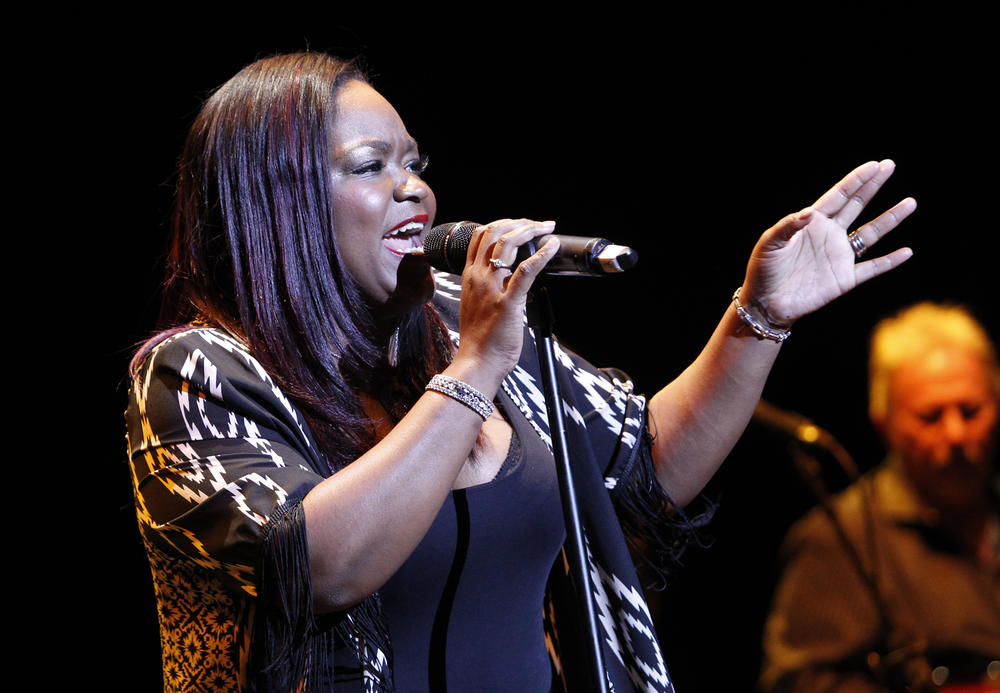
(755, 317)
(476, 373)
(462, 392)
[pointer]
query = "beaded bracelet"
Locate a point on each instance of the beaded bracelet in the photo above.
(762, 331)
(464, 393)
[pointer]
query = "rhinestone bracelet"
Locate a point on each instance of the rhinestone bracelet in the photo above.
(464, 393)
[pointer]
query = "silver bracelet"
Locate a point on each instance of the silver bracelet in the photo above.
(762, 331)
(464, 393)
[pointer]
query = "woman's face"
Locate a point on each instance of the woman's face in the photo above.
(381, 206)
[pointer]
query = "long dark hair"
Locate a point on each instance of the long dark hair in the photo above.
(254, 250)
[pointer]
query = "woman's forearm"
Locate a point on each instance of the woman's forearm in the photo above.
(697, 418)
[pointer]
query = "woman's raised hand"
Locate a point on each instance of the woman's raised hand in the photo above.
(807, 259)
(494, 297)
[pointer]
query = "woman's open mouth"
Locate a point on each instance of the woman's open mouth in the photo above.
(407, 234)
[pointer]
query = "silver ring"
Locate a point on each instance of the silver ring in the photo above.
(498, 264)
(857, 243)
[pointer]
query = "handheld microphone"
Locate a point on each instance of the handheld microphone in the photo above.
(446, 246)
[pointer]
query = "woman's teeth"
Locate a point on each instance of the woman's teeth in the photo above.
(414, 227)
(406, 236)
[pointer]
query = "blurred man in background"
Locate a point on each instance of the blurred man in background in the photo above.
(895, 584)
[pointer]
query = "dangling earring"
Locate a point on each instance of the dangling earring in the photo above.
(393, 355)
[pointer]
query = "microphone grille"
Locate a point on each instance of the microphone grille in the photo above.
(449, 243)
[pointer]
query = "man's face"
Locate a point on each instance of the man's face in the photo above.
(942, 421)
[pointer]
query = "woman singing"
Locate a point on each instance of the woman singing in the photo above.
(341, 460)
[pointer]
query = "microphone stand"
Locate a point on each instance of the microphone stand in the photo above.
(540, 320)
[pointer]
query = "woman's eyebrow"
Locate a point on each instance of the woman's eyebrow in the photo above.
(377, 144)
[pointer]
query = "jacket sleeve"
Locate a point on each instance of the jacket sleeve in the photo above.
(221, 461)
(217, 453)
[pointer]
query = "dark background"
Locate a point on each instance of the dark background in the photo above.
(683, 137)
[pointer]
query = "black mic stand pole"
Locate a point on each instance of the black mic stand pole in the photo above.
(540, 320)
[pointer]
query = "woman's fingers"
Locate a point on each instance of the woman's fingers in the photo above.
(496, 245)
(506, 246)
(874, 230)
(788, 226)
(863, 271)
(843, 203)
(845, 200)
(525, 273)
(485, 240)
(493, 297)
(861, 197)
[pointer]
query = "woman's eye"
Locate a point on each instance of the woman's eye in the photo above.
(419, 166)
(368, 167)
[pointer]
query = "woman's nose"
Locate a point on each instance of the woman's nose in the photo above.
(411, 187)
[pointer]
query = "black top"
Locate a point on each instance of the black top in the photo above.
(490, 549)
